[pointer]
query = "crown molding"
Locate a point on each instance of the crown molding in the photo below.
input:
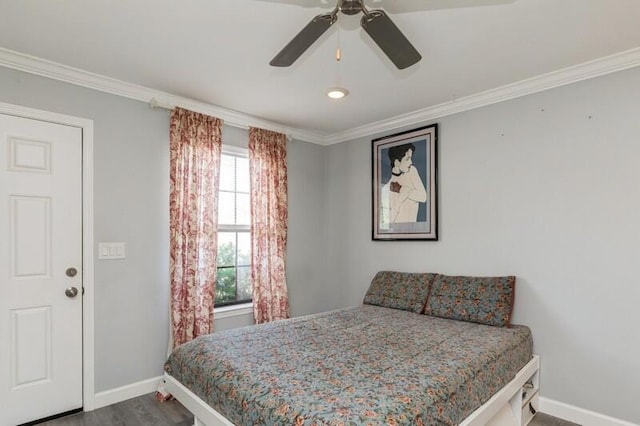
(599, 67)
(56, 71)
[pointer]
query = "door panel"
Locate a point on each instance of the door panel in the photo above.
(41, 225)
(30, 227)
(30, 346)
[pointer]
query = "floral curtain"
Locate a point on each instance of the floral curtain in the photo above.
(268, 173)
(195, 149)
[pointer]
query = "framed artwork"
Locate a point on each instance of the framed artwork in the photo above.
(405, 190)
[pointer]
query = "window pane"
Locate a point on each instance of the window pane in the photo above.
(226, 249)
(242, 174)
(234, 241)
(244, 283)
(226, 208)
(227, 173)
(243, 210)
(244, 248)
(225, 285)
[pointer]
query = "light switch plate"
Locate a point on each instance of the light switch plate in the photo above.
(109, 251)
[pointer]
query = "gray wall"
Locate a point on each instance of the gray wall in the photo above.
(306, 244)
(131, 205)
(543, 187)
(547, 188)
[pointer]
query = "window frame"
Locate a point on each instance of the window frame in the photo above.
(234, 151)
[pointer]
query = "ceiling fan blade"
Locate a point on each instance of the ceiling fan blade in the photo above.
(406, 6)
(390, 39)
(303, 40)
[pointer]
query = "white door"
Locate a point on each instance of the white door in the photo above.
(40, 248)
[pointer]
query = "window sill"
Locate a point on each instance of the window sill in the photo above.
(232, 311)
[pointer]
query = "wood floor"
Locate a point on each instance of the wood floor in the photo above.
(145, 410)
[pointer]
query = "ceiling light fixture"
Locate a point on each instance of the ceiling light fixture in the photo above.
(337, 92)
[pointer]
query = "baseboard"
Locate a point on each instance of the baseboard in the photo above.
(579, 415)
(113, 396)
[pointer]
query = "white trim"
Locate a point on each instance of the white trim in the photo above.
(579, 415)
(156, 98)
(235, 150)
(123, 393)
(595, 68)
(88, 346)
(233, 311)
(88, 357)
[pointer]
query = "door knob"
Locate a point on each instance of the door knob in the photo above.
(71, 272)
(71, 292)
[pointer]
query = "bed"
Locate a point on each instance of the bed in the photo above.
(370, 364)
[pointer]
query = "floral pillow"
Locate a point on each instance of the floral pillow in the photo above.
(399, 290)
(485, 300)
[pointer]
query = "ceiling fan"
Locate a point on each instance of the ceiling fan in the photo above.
(375, 22)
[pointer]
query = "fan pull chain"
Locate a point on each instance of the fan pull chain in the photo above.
(338, 50)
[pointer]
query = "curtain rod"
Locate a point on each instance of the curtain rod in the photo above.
(154, 103)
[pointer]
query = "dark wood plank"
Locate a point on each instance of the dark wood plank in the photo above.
(141, 411)
(541, 419)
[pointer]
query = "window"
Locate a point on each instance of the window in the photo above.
(233, 282)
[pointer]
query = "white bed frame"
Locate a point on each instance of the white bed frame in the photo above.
(513, 405)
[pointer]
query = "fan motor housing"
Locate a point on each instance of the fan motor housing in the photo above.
(350, 7)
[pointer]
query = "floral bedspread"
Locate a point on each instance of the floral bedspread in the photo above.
(366, 365)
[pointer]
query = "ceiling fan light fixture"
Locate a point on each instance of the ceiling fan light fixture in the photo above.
(376, 24)
(337, 92)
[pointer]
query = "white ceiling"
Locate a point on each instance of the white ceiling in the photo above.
(218, 51)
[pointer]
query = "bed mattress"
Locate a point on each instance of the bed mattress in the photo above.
(356, 366)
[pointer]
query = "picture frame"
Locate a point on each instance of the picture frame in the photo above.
(405, 185)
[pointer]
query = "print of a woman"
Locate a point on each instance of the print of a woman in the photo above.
(402, 193)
